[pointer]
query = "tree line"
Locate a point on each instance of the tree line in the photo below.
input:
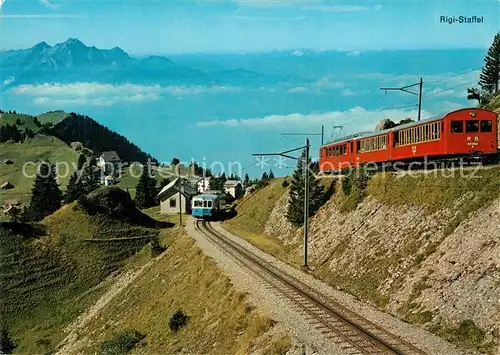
(10, 132)
(94, 136)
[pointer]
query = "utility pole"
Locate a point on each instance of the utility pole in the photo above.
(404, 88)
(306, 189)
(180, 202)
(306, 202)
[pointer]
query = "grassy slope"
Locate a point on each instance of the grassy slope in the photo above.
(253, 212)
(220, 321)
(55, 277)
(32, 150)
(53, 117)
(26, 120)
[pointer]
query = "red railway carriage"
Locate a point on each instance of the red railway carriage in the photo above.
(464, 132)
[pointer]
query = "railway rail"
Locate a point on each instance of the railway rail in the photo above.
(347, 329)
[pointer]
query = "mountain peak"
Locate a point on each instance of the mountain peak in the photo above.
(72, 40)
(42, 45)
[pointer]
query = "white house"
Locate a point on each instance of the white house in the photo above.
(109, 160)
(170, 198)
(233, 187)
(203, 184)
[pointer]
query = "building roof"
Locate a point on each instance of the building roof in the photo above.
(110, 155)
(186, 189)
(232, 183)
(11, 202)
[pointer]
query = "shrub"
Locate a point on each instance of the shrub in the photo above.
(178, 320)
(121, 343)
(285, 183)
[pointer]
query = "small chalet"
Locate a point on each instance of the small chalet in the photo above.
(109, 160)
(233, 187)
(170, 198)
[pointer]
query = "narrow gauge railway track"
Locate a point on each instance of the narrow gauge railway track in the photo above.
(347, 329)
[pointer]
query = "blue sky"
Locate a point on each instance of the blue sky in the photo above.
(146, 26)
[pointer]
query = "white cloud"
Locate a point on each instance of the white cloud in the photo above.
(348, 92)
(451, 106)
(97, 94)
(196, 90)
(298, 89)
(8, 81)
(92, 94)
(48, 4)
(355, 119)
(327, 83)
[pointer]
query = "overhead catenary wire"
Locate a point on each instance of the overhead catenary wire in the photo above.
(450, 88)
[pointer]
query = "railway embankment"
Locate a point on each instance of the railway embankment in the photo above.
(422, 247)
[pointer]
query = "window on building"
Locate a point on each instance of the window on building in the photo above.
(486, 126)
(173, 202)
(457, 126)
(472, 126)
(209, 204)
(204, 203)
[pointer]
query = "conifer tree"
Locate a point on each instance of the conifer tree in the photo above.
(490, 75)
(74, 189)
(246, 182)
(46, 196)
(488, 80)
(145, 191)
(271, 174)
(295, 212)
(264, 177)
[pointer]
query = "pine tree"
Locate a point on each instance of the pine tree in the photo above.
(81, 161)
(88, 180)
(488, 80)
(271, 174)
(264, 177)
(75, 188)
(145, 191)
(246, 182)
(46, 196)
(295, 212)
(490, 74)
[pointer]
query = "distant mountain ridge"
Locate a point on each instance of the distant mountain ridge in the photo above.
(73, 61)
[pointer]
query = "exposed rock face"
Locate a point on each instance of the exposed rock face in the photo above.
(277, 225)
(400, 259)
(382, 125)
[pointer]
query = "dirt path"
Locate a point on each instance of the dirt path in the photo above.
(71, 344)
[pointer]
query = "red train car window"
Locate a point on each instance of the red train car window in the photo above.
(472, 126)
(457, 126)
(486, 126)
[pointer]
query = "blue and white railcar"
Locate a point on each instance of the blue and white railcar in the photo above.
(208, 205)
